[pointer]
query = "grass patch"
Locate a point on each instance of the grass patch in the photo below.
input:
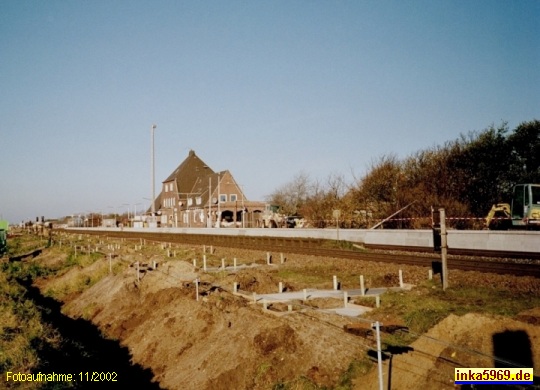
(356, 369)
(24, 243)
(20, 322)
(424, 307)
(78, 283)
(306, 275)
(343, 245)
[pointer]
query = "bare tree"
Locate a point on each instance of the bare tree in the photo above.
(291, 196)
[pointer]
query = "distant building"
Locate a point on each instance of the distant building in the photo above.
(195, 196)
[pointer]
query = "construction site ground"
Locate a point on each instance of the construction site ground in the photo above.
(193, 331)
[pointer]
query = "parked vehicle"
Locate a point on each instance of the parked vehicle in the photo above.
(522, 212)
(272, 218)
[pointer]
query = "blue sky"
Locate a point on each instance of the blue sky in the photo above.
(266, 89)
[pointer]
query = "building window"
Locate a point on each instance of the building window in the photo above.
(222, 198)
(233, 197)
(198, 200)
(189, 201)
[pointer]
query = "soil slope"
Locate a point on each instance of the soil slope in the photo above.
(226, 341)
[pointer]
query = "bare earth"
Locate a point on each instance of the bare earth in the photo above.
(226, 341)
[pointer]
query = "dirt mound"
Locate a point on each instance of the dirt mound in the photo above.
(257, 280)
(221, 341)
(471, 340)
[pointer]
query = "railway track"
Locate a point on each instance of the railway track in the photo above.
(320, 247)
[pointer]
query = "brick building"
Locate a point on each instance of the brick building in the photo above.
(195, 196)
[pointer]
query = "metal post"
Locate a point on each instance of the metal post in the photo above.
(444, 249)
(219, 201)
(379, 354)
(209, 220)
(153, 208)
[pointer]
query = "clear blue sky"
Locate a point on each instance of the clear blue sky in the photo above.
(266, 89)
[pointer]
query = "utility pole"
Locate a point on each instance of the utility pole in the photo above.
(440, 241)
(209, 221)
(219, 201)
(153, 208)
(444, 249)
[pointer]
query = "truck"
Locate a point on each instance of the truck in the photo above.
(522, 213)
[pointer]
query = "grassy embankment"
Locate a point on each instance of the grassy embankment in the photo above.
(23, 333)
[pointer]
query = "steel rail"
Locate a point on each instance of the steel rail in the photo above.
(319, 247)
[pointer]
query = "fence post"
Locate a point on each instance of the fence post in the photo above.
(379, 353)
(444, 249)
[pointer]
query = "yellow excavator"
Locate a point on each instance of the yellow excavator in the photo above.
(523, 212)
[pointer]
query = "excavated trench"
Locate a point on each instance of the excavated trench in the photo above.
(83, 351)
